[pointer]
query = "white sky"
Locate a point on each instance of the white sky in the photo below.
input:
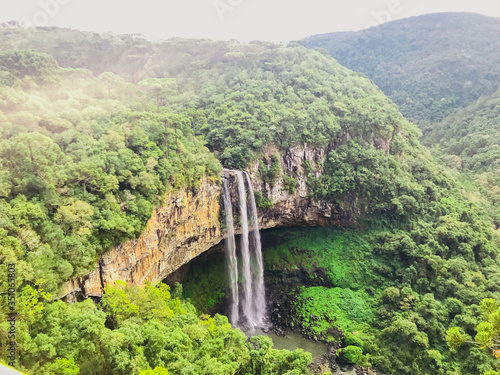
(272, 20)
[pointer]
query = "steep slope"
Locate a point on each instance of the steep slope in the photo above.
(428, 65)
(469, 141)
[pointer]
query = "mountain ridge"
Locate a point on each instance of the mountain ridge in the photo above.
(429, 65)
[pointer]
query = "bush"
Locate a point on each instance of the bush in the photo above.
(353, 340)
(263, 202)
(351, 354)
(290, 184)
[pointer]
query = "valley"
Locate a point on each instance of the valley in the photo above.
(198, 207)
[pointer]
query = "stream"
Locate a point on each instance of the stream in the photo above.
(296, 341)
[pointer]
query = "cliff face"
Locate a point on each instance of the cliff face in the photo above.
(185, 226)
(188, 224)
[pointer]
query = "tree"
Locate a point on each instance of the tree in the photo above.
(112, 81)
(487, 331)
(159, 89)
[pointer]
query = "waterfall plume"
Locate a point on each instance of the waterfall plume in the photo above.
(231, 254)
(259, 289)
(245, 253)
(249, 309)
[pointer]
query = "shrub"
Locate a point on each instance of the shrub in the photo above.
(351, 354)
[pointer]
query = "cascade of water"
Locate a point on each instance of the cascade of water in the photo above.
(252, 305)
(231, 254)
(259, 290)
(245, 253)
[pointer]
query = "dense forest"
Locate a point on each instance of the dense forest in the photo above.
(89, 146)
(469, 142)
(428, 65)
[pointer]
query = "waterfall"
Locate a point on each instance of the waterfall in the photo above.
(252, 305)
(260, 294)
(231, 254)
(245, 253)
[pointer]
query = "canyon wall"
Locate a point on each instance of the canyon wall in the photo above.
(188, 224)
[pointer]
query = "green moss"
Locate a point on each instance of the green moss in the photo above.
(344, 254)
(205, 285)
(318, 309)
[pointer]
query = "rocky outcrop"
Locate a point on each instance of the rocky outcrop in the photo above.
(188, 224)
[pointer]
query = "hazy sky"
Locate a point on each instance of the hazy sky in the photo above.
(273, 20)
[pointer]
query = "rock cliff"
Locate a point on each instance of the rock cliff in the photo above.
(188, 223)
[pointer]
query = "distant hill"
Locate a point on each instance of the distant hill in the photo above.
(428, 65)
(469, 141)
(473, 134)
(129, 55)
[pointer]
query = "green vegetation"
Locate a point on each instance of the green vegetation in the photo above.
(344, 254)
(140, 331)
(394, 292)
(263, 202)
(400, 185)
(19, 64)
(469, 142)
(318, 308)
(206, 283)
(429, 65)
(241, 96)
(85, 158)
(290, 184)
(269, 174)
(488, 331)
(350, 354)
(81, 170)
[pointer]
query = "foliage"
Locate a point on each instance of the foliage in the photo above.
(84, 160)
(245, 96)
(270, 173)
(389, 184)
(318, 308)
(488, 331)
(468, 142)
(205, 284)
(290, 184)
(81, 170)
(350, 354)
(394, 291)
(27, 63)
(344, 255)
(267, 360)
(156, 371)
(144, 331)
(429, 65)
(263, 202)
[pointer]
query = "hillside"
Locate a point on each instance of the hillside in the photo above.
(469, 141)
(428, 65)
(87, 155)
